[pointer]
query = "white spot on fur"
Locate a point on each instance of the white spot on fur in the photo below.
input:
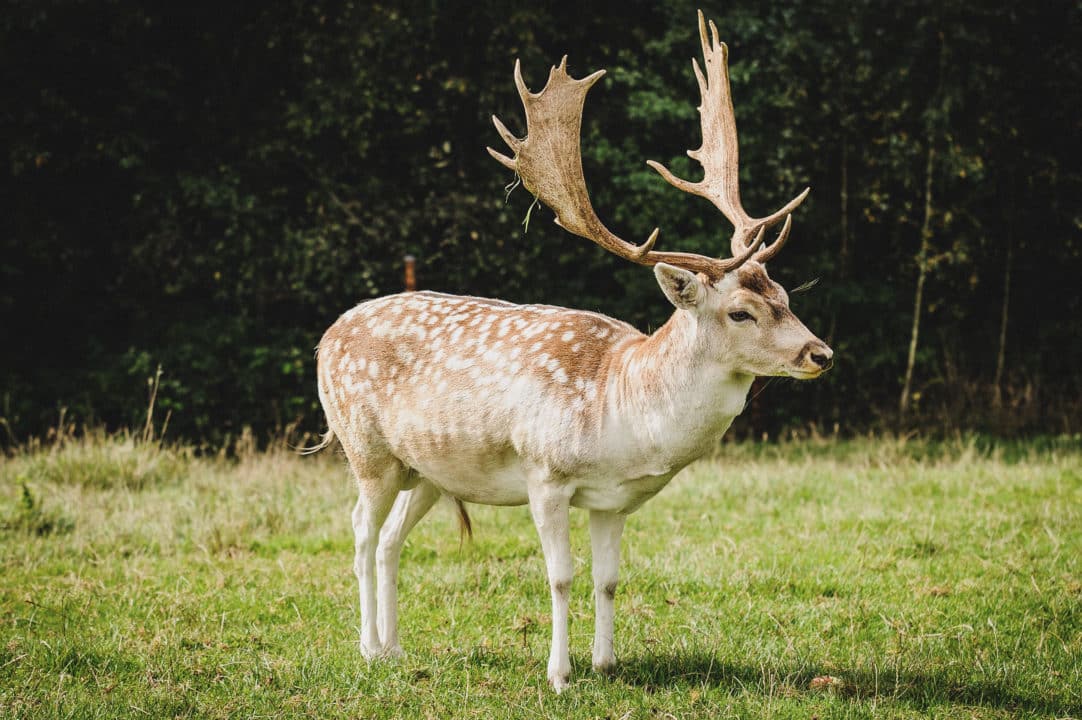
(456, 362)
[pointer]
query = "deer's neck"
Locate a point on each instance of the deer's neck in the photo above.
(674, 395)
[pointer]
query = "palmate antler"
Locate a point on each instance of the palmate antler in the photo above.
(549, 162)
(719, 153)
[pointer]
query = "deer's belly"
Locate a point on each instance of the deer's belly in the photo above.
(481, 479)
(507, 485)
(501, 479)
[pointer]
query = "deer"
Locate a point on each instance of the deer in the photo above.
(484, 401)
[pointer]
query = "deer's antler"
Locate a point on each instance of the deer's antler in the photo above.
(719, 154)
(549, 162)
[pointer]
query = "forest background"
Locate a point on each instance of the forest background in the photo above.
(204, 187)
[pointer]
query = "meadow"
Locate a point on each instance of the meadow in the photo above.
(876, 577)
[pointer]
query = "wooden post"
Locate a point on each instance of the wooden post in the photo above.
(411, 275)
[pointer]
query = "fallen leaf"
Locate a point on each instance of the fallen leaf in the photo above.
(825, 681)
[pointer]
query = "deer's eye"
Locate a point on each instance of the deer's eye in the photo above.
(740, 316)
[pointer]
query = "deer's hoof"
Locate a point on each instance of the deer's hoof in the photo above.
(394, 652)
(605, 666)
(560, 681)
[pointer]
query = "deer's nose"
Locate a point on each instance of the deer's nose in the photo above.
(821, 355)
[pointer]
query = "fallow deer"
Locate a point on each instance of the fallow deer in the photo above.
(488, 402)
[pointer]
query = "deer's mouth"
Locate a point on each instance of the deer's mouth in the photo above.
(810, 373)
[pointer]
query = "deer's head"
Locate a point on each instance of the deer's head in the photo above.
(740, 313)
(745, 318)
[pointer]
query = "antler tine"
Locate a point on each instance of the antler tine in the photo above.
(771, 250)
(719, 152)
(549, 162)
(523, 91)
(737, 260)
(509, 138)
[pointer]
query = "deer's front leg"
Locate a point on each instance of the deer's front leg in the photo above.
(549, 508)
(605, 531)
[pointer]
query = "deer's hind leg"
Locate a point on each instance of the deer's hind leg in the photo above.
(379, 481)
(409, 508)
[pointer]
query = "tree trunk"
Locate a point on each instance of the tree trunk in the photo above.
(997, 390)
(923, 259)
(922, 274)
(843, 226)
(842, 272)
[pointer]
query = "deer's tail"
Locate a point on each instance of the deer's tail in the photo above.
(326, 442)
(465, 526)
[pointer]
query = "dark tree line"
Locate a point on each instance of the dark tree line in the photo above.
(206, 186)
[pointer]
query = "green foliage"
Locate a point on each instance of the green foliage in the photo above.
(214, 189)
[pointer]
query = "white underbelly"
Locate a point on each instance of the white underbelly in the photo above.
(484, 483)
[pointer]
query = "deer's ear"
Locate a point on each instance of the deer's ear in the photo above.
(682, 287)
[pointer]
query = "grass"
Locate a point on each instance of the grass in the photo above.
(871, 578)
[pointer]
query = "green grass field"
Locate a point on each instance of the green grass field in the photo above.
(872, 578)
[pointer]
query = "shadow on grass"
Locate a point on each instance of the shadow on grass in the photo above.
(916, 689)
